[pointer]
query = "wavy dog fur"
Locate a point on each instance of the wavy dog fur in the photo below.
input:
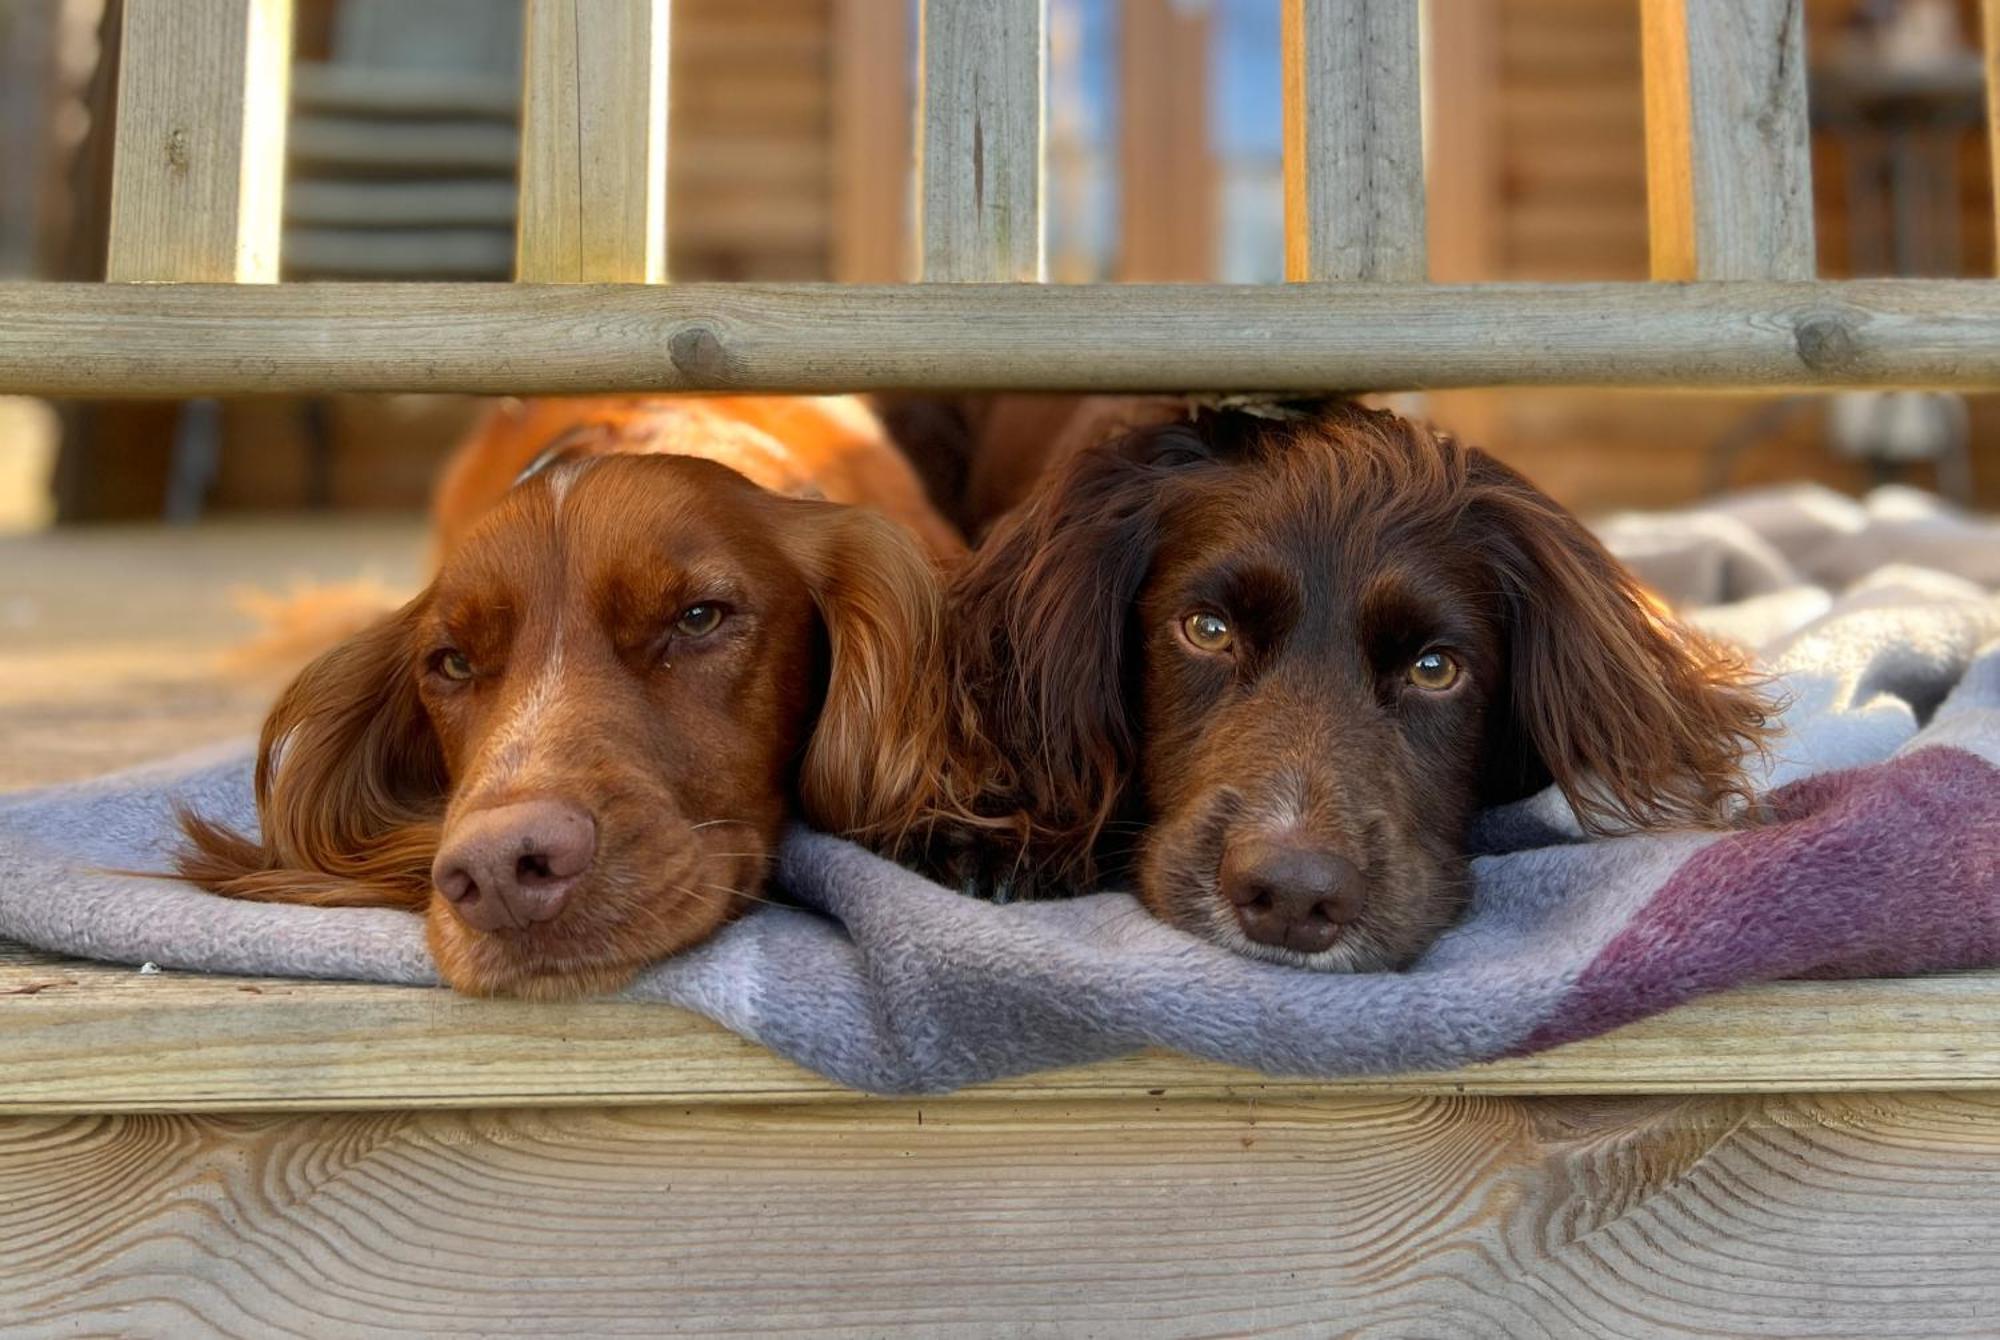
(819, 695)
(1087, 743)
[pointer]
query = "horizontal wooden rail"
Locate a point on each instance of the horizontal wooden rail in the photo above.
(199, 339)
(80, 1037)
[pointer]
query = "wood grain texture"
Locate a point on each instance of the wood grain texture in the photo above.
(874, 144)
(197, 188)
(510, 339)
(1354, 141)
(1169, 187)
(979, 171)
(78, 1037)
(1800, 1216)
(1728, 146)
(594, 143)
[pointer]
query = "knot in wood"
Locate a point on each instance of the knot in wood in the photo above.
(1825, 341)
(699, 354)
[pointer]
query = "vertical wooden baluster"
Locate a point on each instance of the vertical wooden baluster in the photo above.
(1728, 146)
(594, 143)
(198, 169)
(980, 171)
(1354, 143)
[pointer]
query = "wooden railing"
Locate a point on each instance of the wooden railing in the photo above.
(192, 310)
(196, 206)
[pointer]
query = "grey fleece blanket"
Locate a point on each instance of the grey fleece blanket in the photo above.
(1884, 857)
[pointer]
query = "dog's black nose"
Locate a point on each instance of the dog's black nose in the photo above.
(1289, 896)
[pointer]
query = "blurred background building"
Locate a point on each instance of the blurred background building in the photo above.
(790, 160)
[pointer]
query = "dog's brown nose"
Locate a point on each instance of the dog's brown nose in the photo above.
(513, 865)
(1291, 897)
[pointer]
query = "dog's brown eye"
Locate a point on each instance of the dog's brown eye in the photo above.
(452, 665)
(1208, 631)
(698, 620)
(1434, 671)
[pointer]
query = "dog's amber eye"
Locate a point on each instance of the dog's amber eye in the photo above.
(452, 664)
(1434, 670)
(1208, 631)
(698, 620)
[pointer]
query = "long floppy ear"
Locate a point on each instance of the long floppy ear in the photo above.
(872, 763)
(350, 786)
(1040, 617)
(1643, 723)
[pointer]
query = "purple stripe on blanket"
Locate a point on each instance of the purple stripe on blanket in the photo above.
(1870, 872)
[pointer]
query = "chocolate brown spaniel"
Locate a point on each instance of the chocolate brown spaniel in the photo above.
(1268, 670)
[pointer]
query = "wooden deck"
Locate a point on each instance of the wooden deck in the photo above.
(249, 1157)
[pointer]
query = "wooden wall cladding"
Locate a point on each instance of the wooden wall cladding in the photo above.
(1570, 177)
(1563, 197)
(749, 192)
(1572, 141)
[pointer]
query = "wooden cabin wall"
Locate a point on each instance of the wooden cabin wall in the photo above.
(1570, 170)
(750, 190)
(1572, 144)
(1824, 19)
(1564, 199)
